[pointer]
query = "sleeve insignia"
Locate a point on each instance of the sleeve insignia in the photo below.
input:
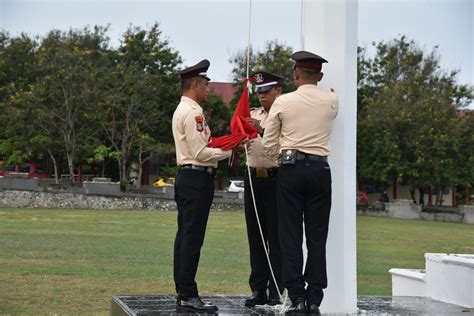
(199, 123)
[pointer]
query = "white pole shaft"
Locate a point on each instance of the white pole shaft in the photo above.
(248, 40)
(330, 30)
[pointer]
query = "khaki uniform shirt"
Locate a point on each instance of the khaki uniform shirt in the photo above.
(191, 136)
(256, 154)
(301, 120)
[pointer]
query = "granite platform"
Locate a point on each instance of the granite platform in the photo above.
(234, 305)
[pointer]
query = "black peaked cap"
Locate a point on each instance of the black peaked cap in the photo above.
(265, 81)
(198, 70)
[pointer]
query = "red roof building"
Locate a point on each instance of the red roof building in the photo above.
(223, 89)
(463, 112)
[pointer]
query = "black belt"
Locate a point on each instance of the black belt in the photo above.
(308, 157)
(210, 170)
(263, 172)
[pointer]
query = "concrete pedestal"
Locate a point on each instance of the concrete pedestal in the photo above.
(447, 278)
(403, 209)
(468, 211)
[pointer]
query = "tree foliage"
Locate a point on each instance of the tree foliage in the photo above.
(275, 58)
(18, 71)
(464, 134)
(138, 84)
(72, 97)
(69, 94)
(65, 92)
(217, 114)
(407, 116)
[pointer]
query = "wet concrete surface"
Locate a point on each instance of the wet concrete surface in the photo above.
(234, 305)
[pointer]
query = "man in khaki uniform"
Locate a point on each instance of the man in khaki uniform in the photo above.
(194, 187)
(301, 122)
(263, 174)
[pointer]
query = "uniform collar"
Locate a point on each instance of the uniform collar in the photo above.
(260, 110)
(308, 86)
(190, 101)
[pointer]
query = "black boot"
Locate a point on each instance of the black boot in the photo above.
(298, 307)
(257, 298)
(313, 309)
(194, 305)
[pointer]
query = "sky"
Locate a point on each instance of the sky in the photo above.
(217, 30)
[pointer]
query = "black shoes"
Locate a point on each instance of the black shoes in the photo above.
(298, 307)
(257, 298)
(260, 298)
(313, 309)
(194, 305)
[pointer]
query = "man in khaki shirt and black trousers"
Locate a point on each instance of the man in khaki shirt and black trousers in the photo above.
(263, 172)
(194, 187)
(300, 123)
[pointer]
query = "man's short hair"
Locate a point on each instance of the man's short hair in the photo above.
(186, 83)
(307, 72)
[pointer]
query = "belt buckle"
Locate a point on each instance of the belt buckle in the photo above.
(261, 172)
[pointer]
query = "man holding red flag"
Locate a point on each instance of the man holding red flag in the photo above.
(263, 173)
(194, 187)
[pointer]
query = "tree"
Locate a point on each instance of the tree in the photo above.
(65, 93)
(18, 71)
(100, 154)
(18, 64)
(465, 155)
(407, 116)
(48, 145)
(140, 93)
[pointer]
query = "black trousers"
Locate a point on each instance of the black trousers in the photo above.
(304, 194)
(194, 191)
(265, 190)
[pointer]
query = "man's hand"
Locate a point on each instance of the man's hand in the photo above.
(241, 146)
(256, 124)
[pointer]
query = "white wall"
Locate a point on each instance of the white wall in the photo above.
(329, 29)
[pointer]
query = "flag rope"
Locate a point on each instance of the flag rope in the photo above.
(282, 308)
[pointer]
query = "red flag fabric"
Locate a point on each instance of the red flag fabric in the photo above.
(240, 128)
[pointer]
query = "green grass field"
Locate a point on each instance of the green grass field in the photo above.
(73, 261)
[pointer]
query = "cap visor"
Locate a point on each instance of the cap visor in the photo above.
(264, 89)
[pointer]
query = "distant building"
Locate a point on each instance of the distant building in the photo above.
(462, 113)
(224, 89)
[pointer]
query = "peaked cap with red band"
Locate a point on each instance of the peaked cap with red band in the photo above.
(198, 70)
(304, 59)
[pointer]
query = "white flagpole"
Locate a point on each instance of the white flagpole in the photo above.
(248, 40)
(301, 27)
